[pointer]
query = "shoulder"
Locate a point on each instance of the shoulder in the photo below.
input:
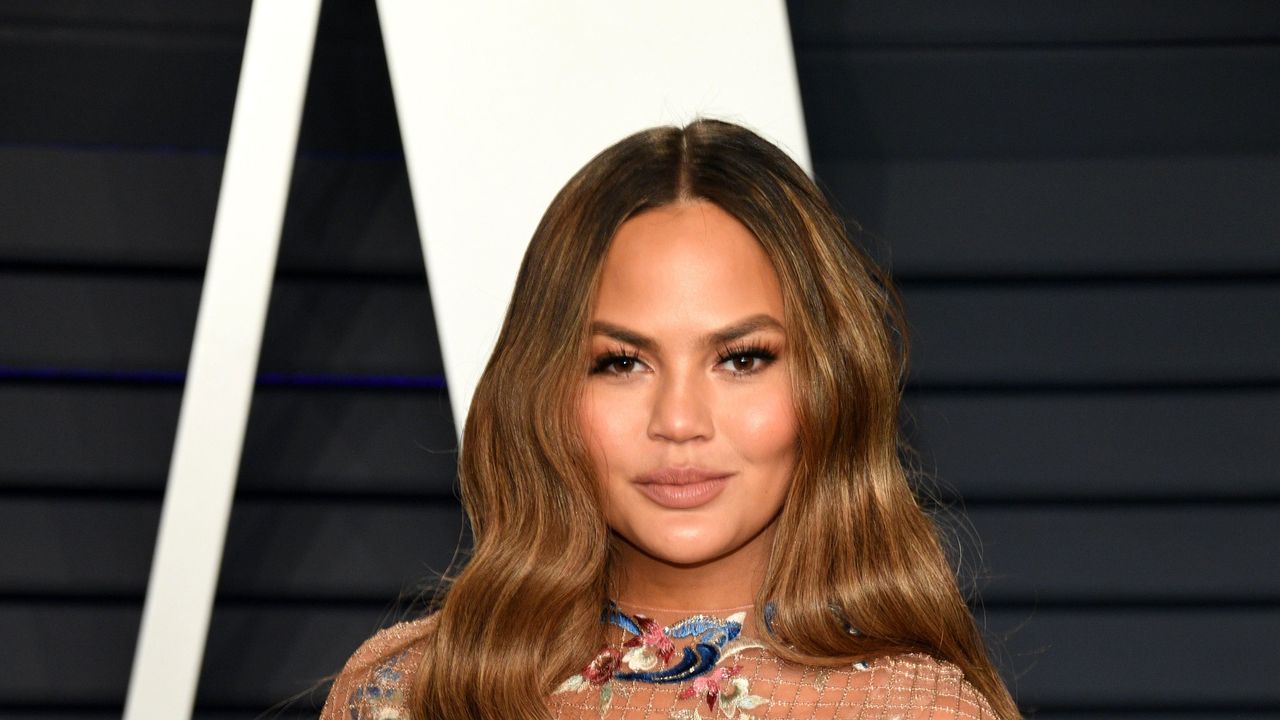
(376, 679)
(915, 685)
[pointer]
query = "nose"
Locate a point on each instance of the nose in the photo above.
(681, 411)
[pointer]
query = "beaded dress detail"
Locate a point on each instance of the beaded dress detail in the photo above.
(674, 666)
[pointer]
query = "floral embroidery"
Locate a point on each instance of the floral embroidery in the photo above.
(738, 697)
(648, 658)
(730, 697)
(708, 686)
(649, 647)
(601, 670)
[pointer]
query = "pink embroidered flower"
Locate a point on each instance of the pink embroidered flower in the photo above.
(652, 637)
(601, 670)
(708, 686)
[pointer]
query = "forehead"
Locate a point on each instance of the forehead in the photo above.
(689, 266)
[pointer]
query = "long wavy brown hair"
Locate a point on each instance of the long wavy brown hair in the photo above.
(524, 612)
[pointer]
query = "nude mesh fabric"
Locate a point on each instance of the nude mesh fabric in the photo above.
(376, 681)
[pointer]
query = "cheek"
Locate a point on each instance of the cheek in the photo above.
(606, 428)
(765, 428)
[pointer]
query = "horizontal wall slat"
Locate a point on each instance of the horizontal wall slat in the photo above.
(1033, 21)
(1145, 215)
(75, 90)
(1063, 659)
(312, 549)
(91, 437)
(151, 208)
(1140, 554)
(191, 13)
(66, 654)
(1140, 659)
(1120, 333)
(1180, 215)
(108, 207)
(1094, 445)
(176, 86)
(1117, 333)
(279, 549)
(146, 323)
(1042, 103)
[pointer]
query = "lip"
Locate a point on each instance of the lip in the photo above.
(682, 488)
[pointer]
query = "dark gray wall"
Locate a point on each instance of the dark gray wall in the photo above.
(1078, 199)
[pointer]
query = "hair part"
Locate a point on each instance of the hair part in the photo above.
(525, 610)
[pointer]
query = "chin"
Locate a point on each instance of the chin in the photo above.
(687, 548)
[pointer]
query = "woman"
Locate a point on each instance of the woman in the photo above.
(681, 469)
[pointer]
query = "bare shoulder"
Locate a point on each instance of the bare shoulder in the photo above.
(915, 686)
(376, 679)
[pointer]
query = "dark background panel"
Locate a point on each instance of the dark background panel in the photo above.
(1189, 554)
(1134, 334)
(1112, 660)
(988, 22)
(1143, 216)
(141, 322)
(157, 210)
(101, 436)
(230, 15)
(363, 550)
(1103, 444)
(66, 653)
(113, 78)
(120, 86)
(347, 214)
(1040, 102)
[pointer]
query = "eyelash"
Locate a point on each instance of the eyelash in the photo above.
(750, 350)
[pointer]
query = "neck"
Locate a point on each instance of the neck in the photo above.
(727, 582)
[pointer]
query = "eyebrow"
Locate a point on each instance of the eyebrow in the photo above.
(724, 335)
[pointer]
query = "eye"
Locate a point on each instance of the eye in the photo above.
(617, 362)
(747, 359)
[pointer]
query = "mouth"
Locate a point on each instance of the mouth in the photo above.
(682, 488)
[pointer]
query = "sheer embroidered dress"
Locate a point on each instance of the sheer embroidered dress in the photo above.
(692, 667)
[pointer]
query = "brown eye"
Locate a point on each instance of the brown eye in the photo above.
(746, 360)
(625, 364)
(616, 363)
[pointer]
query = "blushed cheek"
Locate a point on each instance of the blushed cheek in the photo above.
(766, 430)
(604, 431)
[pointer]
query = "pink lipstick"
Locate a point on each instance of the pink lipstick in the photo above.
(682, 488)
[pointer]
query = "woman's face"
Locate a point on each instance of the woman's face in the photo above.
(687, 407)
